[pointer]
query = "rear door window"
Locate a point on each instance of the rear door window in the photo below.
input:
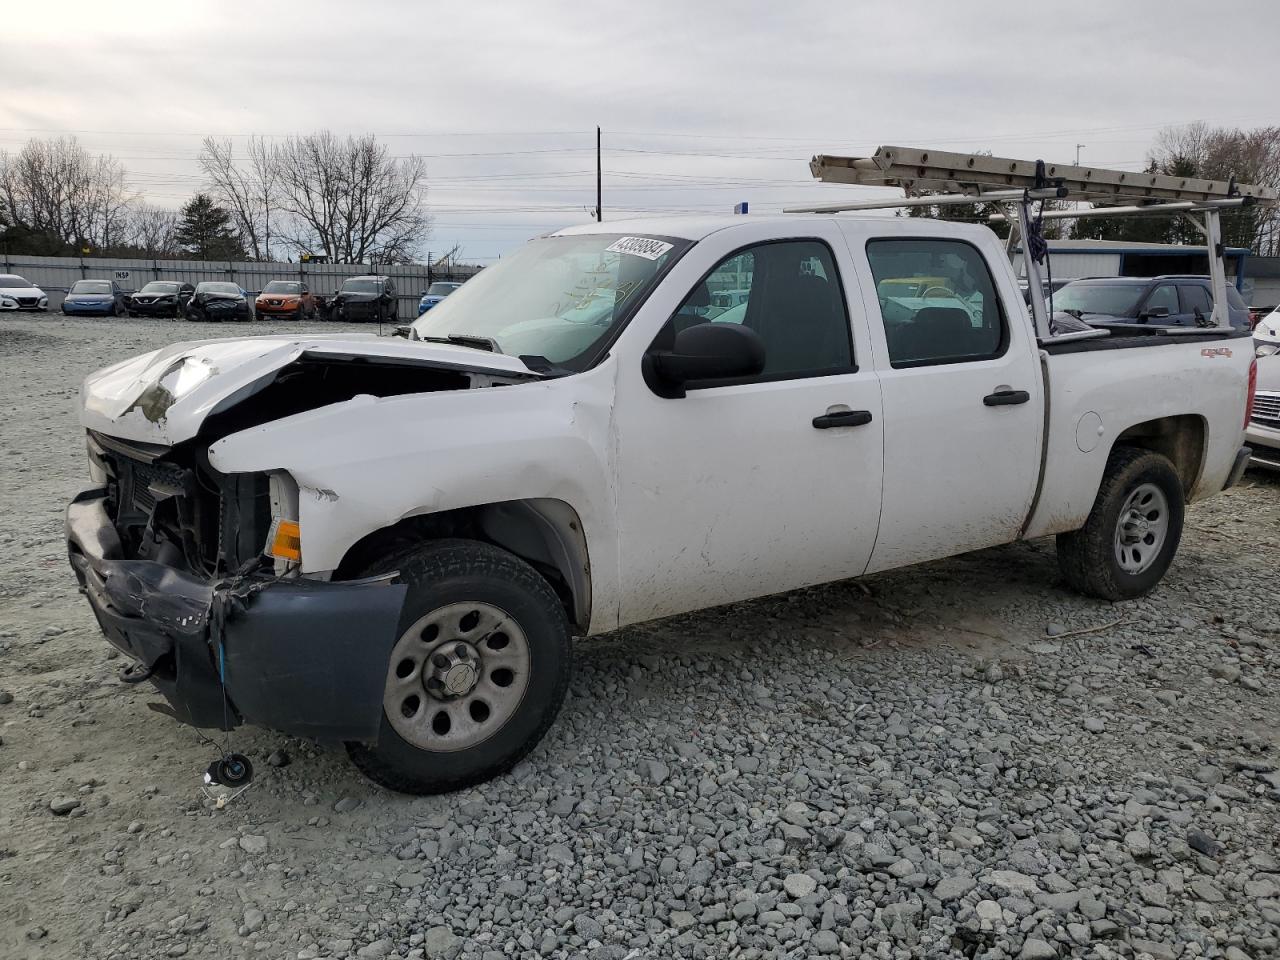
(938, 302)
(1195, 297)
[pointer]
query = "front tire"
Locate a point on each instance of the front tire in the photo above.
(1132, 534)
(478, 674)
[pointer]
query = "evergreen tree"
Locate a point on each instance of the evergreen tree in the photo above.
(205, 232)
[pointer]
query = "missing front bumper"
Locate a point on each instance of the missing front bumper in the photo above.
(305, 657)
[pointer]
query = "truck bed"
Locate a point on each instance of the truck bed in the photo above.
(1137, 335)
(1184, 397)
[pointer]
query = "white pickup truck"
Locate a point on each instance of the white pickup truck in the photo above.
(388, 542)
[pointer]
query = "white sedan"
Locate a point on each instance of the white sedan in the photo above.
(17, 293)
(1266, 335)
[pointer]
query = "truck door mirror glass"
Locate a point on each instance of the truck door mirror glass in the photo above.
(705, 351)
(1155, 313)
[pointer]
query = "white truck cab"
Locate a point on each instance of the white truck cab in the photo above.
(388, 542)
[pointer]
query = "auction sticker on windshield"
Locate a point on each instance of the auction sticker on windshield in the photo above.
(640, 247)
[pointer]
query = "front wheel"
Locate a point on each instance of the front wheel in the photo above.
(478, 674)
(1133, 531)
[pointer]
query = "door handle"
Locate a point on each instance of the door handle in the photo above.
(842, 418)
(1006, 398)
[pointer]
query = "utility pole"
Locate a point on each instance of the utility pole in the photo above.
(1078, 148)
(599, 211)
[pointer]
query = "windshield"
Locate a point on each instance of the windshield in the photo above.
(442, 289)
(556, 297)
(210, 286)
(91, 286)
(9, 280)
(159, 286)
(362, 286)
(1116, 299)
(282, 286)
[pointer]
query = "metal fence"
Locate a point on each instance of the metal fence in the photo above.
(55, 275)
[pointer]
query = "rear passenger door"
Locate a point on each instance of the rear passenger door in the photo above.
(961, 392)
(1195, 303)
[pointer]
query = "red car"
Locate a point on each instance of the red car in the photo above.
(285, 300)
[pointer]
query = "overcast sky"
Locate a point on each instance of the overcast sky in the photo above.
(702, 104)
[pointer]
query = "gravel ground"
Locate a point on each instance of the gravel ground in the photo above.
(939, 761)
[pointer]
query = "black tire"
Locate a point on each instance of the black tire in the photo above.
(1088, 556)
(459, 571)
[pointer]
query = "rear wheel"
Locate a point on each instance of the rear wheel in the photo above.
(1133, 531)
(478, 674)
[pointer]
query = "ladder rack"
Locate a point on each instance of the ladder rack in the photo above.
(919, 171)
(942, 178)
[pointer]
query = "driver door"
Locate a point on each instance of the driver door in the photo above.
(750, 487)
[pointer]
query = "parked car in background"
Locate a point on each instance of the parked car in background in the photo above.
(94, 298)
(160, 298)
(1168, 301)
(365, 298)
(1263, 432)
(18, 293)
(285, 300)
(1267, 333)
(219, 300)
(1045, 288)
(434, 294)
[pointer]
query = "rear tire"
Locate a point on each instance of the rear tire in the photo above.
(478, 675)
(1132, 534)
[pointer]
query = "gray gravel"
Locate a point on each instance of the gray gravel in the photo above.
(926, 763)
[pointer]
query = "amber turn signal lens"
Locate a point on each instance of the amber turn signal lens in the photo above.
(284, 541)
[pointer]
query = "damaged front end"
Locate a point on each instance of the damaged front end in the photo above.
(305, 657)
(172, 553)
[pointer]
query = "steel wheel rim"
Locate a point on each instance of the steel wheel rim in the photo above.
(428, 700)
(1142, 528)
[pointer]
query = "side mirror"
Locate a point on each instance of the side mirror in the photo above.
(405, 330)
(705, 351)
(1154, 313)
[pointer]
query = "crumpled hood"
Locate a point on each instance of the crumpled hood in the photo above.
(164, 396)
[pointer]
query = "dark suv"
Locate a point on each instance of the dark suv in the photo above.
(1170, 301)
(365, 298)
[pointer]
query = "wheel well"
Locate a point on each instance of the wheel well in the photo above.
(1180, 438)
(545, 533)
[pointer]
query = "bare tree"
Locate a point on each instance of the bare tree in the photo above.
(56, 189)
(248, 187)
(350, 198)
(152, 231)
(1220, 153)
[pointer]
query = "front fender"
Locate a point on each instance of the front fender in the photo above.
(366, 463)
